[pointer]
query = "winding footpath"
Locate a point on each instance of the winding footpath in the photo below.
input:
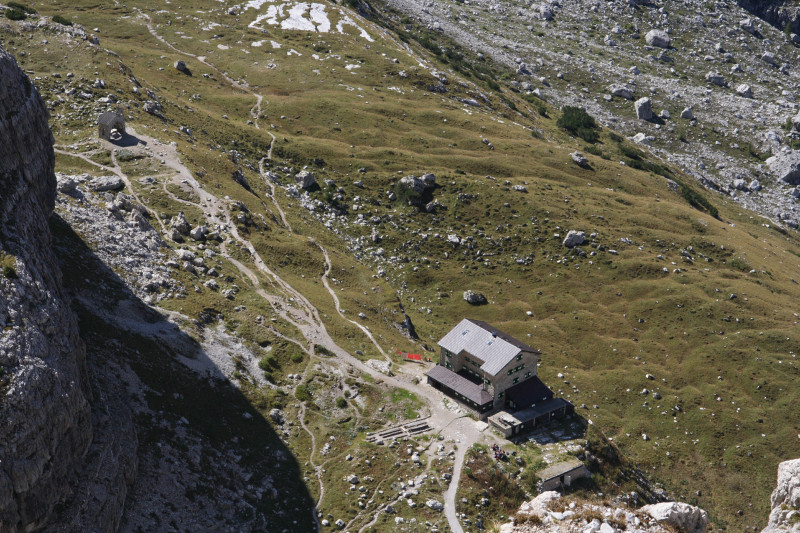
(291, 305)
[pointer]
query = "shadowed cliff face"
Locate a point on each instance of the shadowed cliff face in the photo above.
(45, 424)
(776, 12)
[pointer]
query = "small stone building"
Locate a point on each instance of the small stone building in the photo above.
(561, 475)
(110, 120)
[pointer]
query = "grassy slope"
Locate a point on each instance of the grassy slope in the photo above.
(604, 321)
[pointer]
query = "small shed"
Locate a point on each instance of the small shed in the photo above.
(108, 121)
(563, 474)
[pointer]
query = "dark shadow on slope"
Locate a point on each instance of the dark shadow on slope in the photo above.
(208, 460)
(126, 140)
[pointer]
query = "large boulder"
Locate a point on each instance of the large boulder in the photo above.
(681, 516)
(305, 179)
(644, 109)
(658, 38)
(579, 159)
(418, 185)
(786, 166)
(574, 238)
(540, 504)
(106, 183)
(434, 505)
(715, 78)
(474, 298)
(620, 91)
(744, 91)
(180, 224)
(748, 26)
(785, 515)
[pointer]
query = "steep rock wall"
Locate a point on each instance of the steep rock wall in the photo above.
(775, 12)
(45, 421)
(785, 515)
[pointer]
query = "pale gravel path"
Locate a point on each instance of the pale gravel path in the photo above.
(296, 309)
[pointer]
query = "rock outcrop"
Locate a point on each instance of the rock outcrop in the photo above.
(785, 167)
(540, 516)
(779, 13)
(681, 516)
(785, 514)
(45, 419)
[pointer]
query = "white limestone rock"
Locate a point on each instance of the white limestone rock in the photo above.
(785, 514)
(682, 516)
(474, 298)
(644, 108)
(574, 238)
(658, 38)
(305, 179)
(744, 91)
(620, 91)
(786, 167)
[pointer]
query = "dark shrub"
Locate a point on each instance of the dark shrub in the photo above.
(22, 7)
(61, 20)
(15, 14)
(578, 123)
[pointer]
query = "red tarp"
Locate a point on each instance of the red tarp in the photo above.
(412, 356)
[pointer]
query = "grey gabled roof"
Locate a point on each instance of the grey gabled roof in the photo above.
(482, 341)
(559, 469)
(461, 385)
(109, 118)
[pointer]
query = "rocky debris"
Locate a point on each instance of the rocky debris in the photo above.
(45, 418)
(579, 159)
(152, 107)
(198, 233)
(546, 12)
(305, 179)
(620, 91)
(66, 184)
(540, 504)
(574, 238)
(418, 184)
(785, 514)
(744, 90)
(238, 177)
(740, 184)
(180, 224)
(537, 516)
(118, 229)
(687, 113)
(658, 38)
(180, 66)
(786, 167)
(382, 366)
(644, 109)
(434, 505)
(748, 25)
(681, 516)
(715, 78)
(474, 298)
(106, 183)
